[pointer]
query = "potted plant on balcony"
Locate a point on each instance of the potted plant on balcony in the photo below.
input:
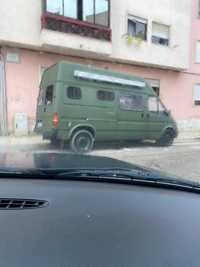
(133, 40)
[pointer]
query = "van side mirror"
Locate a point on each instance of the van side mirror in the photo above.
(167, 112)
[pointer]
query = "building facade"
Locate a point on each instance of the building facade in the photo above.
(158, 40)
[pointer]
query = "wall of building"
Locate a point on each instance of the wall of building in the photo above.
(22, 27)
(172, 13)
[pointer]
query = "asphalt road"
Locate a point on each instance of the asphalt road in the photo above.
(182, 159)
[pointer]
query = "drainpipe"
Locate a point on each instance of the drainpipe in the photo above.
(3, 98)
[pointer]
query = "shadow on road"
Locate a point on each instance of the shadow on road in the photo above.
(98, 146)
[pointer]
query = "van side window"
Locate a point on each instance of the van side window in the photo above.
(40, 98)
(161, 107)
(105, 95)
(49, 95)
(132, 102)
(74, 92)
(153, 104)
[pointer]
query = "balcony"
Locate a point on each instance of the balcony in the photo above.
(68, 25)
(77, 28)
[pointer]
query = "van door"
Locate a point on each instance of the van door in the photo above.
(156, 116)
(132, 116)
(45, 109)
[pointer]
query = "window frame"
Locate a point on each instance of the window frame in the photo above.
(45, 97)
(196, 102)
(153, 36)
(131, 109)
(73, 87)
(108, 92)
(137, 20)
(44, 6)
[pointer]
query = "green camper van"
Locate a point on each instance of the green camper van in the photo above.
(81, 104)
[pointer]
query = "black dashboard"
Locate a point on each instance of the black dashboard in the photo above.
(98, 224)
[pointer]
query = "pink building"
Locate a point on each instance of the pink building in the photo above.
(155, 39)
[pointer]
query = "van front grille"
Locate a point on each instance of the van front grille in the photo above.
(13, 203)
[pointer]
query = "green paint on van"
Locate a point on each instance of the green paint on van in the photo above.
(110, 105)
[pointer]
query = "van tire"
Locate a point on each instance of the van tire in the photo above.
(167, 138)
(55, 143)
(82, 141)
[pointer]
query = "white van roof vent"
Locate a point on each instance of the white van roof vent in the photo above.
(107, 79)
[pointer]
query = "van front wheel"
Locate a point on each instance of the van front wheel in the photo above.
(82, 142)
(167, 139)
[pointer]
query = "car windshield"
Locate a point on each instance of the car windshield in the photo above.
(101, 84)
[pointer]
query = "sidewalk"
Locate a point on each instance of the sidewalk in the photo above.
(22, 140)
(37, 140)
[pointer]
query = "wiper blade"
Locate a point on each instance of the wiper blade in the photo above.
(131, 176)
(135, 176)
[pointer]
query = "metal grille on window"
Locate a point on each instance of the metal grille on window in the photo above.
(74, 92)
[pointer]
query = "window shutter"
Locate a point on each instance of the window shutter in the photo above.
(160, 30)
(138, 19)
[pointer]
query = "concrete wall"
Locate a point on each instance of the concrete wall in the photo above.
(20, 25)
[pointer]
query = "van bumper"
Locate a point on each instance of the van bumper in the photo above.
(55, 134)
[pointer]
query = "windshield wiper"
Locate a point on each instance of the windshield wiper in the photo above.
(115, 175)
(140, 176)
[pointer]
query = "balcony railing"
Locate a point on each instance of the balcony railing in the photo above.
(68, 25)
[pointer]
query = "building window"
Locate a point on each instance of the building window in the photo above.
(199, 8)
(137, 27)
(74, 92)
(102, 12)
(155, 84)
(49, 95)
(196, 95)
(132, 102)
(198, 52)
(153, 104)
(70, 8)
(92, 11)
(105, 95)
(160, 34)
(55, 7)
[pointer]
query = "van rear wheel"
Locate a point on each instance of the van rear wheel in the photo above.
(82, 142)
(166, 139)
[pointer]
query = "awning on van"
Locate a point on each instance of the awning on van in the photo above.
(107, 79)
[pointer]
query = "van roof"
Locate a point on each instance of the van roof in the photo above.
(71, 71)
